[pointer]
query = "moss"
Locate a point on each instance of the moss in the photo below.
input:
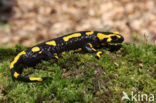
(81, 78)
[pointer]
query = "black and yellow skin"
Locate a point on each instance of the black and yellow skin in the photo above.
(87, 41)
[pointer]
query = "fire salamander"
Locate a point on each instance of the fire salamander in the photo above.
(88, 41)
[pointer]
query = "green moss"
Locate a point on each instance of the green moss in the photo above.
(81, 78)
(7, 52)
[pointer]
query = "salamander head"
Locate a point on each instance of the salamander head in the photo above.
(110, 38)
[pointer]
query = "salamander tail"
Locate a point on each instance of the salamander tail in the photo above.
(19, 77)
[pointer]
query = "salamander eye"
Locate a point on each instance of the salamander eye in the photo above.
(114, 37)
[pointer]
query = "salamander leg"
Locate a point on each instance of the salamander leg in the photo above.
(90, 49)
(48, 55)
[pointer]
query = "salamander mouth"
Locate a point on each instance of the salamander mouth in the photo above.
(114, 46)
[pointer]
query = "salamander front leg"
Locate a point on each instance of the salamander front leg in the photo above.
(48, 55)
(90, 49)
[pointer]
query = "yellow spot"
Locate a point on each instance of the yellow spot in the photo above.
(34, 78)
(16, 59)
(16, 74)
(79, 49)
(35, 49)
(91, 46)
(99, 54)
(116, 32)
(118, 36)
(63, 53)
(56, 57)
(101, 36)
(76, 50)
(90, 33)
(109, 39)
(40, 52)
(55, 54)
(71, 36)
(51, 43)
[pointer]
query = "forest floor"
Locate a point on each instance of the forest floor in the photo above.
(81, 78)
